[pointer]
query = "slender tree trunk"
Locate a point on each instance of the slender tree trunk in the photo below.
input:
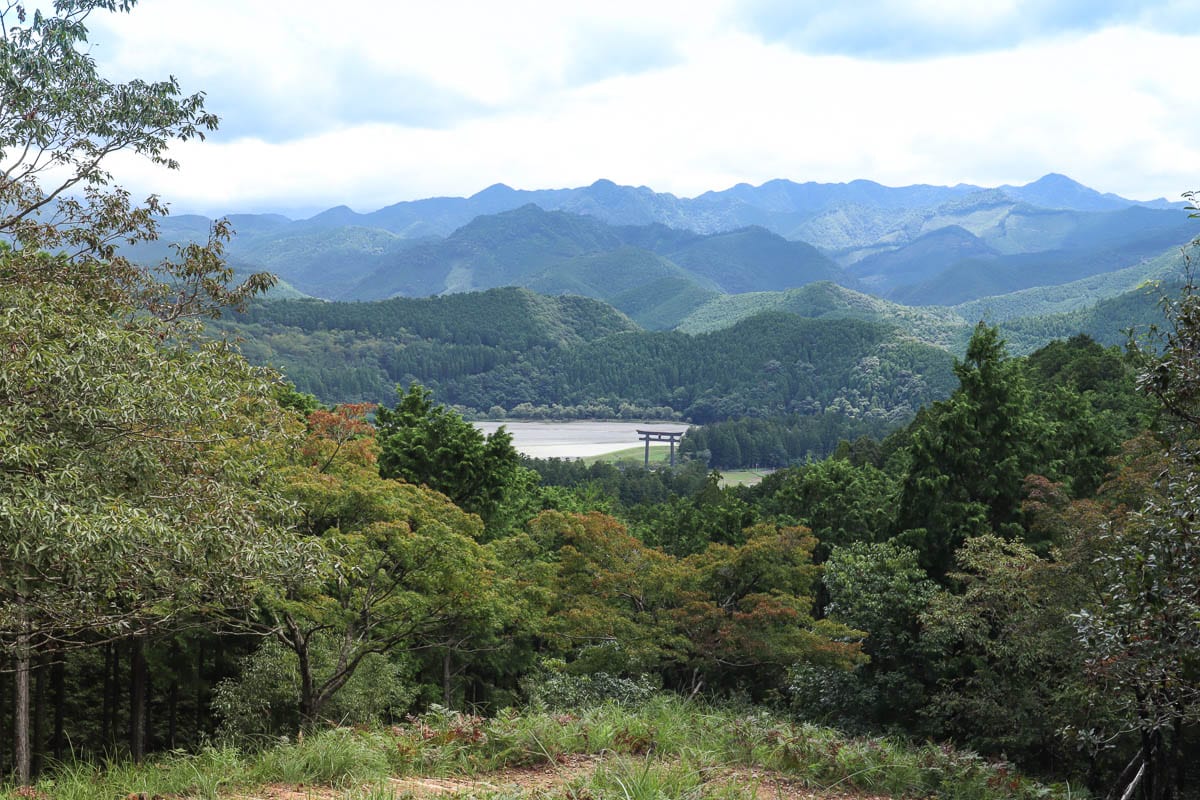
(200, 686)
(22, 754)
(5, 690)
(137, 700)
(172, 708)
(39, 716)
(106, 713)
(308, 697)
(58, 679)
(447, 688)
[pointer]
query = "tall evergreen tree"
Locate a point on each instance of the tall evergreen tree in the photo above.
(970, 455)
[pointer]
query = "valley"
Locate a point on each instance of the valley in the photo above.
(606, 302)
(578, 439)
(352, 503)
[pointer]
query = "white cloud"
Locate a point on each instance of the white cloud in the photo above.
(531, 105)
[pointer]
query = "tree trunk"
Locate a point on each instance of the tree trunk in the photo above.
(58, 678)
(447, 688)
(22, 754)
(308, 696)
(172, 706)
(5, 689)
(106, 712)
(38, 745)
(200, 704)
(137, 700)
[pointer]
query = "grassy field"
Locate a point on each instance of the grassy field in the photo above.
(664, 748)
(659, 454)
(743, 477)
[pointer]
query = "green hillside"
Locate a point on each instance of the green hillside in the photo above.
(1082, 293)
(319, 262)
(754, 259)
(498, 250)
(939, 326)
(1108, 321)
(926, 256)
(652, 290)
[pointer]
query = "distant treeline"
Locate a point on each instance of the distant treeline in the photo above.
(776, 441)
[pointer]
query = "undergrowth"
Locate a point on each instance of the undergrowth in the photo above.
(665, 748)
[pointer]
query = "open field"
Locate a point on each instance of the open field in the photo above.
(659, 454)
(577, 438)
(743, 477)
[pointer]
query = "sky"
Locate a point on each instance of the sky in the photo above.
(367, 103)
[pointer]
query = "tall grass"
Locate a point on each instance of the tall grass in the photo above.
(664, 748)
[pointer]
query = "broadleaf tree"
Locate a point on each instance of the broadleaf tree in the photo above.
(133, 493)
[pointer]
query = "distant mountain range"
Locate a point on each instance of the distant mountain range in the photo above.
(660, 258)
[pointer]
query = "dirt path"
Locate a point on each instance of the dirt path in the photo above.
(547, 780)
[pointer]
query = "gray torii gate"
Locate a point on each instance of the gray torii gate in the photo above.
(659, 436)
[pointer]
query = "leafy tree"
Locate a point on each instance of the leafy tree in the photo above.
(730, 616)
(753, 618)
(613, 595)
(1006, 655)
(404, 571)
(425, 443)
(133, 484)
(1140, 636)
(133, 490)
(60, 122)
(878, 588)
(841, 503)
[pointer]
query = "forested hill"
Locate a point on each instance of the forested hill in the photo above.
(507, 318)
(512, 349)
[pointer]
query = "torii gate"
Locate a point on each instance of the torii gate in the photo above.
(659, 436)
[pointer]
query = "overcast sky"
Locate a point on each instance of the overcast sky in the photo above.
(366, 103)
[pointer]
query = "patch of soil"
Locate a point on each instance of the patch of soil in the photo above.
(544, 779)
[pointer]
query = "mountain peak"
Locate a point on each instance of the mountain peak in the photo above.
(493, 190)
(1057, 191)
(1056, 179)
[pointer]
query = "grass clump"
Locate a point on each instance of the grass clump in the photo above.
(201, 775)
(338, 757)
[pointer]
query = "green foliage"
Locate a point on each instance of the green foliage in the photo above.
(63, 118)
(841, 503)
(826, 300)
(970, 455)
(1139, 636)
(134, 480)
(1005, 651)
(552, 687)
(729, 616)
(879, 588)
(780, 441)
(558, 357)
(404, 570)
(428, 444)
(338, 757)
(665, 747)
(265, 697)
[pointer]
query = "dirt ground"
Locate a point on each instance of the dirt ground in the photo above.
(542, 781)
